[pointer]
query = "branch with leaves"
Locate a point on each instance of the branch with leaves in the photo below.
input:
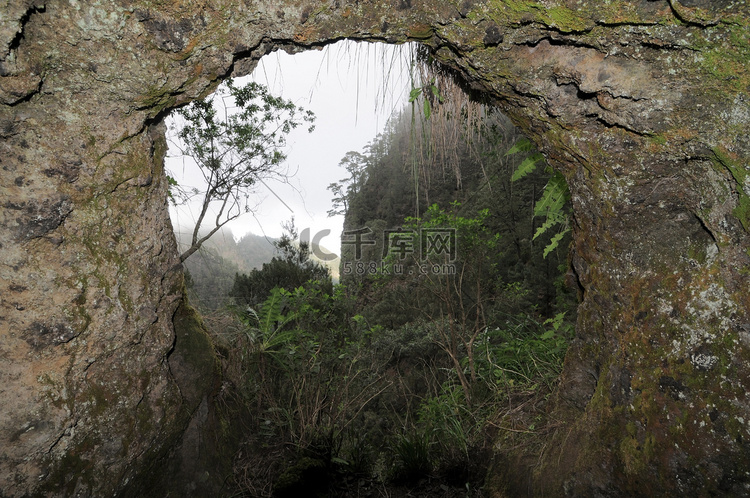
(237, 138)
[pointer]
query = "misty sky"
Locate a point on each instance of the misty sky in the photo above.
(352, 88)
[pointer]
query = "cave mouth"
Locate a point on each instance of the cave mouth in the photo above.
(642, 106)
(567, 93)
(377, 346)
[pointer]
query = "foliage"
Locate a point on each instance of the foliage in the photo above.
(267, 330)
(529, 163)
(412, 451)
(524, 354)
(236, 138)
(451, 424)
(482, 181)
(463, 287)
(324, 385)
(407, 376)
(555, 197)
(290, 269)
(486, 318)
(305, 377)
(552, 206)
(428, 92)
(355, 164)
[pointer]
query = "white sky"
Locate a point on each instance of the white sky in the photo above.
(352, 88)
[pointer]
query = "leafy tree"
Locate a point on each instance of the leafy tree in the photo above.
(356, 164)
(292, 268)
(237, 139)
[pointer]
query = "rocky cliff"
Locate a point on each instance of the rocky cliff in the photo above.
(643, 105)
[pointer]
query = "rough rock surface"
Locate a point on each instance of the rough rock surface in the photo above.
(644, 105)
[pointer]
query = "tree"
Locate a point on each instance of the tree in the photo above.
(356, 164)
(291, 269)
(236, 138)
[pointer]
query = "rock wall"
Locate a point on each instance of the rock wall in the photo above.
(643, 105)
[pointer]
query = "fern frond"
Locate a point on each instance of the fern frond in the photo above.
(549, 223)
(553, 198)
(554, 242)
(527, 166)
(522, 145)
(551, 205)
(270, 312)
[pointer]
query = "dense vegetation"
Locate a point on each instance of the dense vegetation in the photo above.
(429, 351)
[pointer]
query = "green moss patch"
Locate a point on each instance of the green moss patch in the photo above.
(740, 175)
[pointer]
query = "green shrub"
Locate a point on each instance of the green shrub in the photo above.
(412, 451)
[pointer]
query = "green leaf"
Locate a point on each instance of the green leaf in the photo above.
(436, 93)
(557, 321)
(548, 223)
(527, 166)
(554, 242)
(554, 196)
(522, 145)
(427, 109)
(548, 335)
(415, 92)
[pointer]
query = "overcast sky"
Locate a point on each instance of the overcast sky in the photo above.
(352, 88)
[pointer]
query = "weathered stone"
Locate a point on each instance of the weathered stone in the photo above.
(644, 106)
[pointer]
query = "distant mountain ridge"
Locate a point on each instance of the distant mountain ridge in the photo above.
(213, 267)
(249, 252)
